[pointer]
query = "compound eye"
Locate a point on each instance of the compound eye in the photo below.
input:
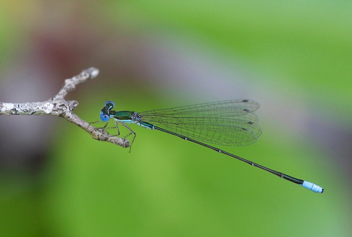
(104, 117)
(110, 104)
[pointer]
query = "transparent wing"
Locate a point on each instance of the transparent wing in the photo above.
(228, 123)
(213, 109)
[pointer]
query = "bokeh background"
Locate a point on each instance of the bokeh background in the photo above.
(293, 57)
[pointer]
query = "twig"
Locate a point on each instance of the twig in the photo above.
(58, 106)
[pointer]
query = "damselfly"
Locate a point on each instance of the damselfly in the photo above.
(227, 123)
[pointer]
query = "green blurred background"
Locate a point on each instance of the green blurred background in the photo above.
(293, 57)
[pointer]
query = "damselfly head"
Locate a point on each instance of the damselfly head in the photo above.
(106, 111)
(104, 117)
(109, 104)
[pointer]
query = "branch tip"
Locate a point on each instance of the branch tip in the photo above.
(92, 71)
